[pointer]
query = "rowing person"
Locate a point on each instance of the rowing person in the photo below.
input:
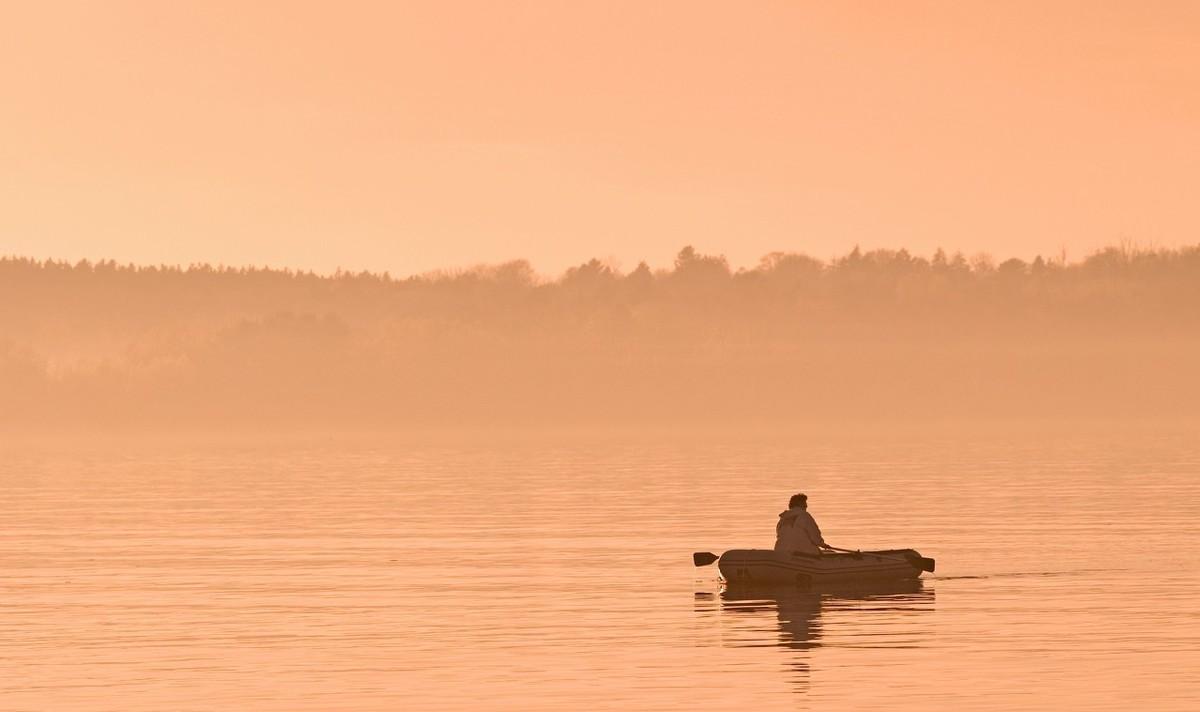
(797, 532)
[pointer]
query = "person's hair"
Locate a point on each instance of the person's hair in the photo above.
(798, 500)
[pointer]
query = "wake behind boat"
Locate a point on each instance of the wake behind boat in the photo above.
(769, 567)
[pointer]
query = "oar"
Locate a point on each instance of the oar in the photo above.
(704, 558)
(919, 562)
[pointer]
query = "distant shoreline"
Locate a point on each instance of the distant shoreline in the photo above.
(878, 336)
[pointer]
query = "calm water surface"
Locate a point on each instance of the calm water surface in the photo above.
(521, 575)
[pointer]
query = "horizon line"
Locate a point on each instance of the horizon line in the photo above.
(1124, 247)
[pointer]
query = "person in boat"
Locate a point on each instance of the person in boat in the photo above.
(797, 531)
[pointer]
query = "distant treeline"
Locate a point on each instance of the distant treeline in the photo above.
(871, 335)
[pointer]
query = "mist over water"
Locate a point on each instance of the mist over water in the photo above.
(233, 487)
(253, 489)
(869, 336)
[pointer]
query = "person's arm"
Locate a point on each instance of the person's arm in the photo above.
(815, 534)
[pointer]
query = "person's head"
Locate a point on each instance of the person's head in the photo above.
(798, 500)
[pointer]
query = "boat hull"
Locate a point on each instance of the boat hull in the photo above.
(768, 567)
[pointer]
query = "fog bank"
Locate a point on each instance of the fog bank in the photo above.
(881, 335)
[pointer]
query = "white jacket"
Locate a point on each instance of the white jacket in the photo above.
(798, 531)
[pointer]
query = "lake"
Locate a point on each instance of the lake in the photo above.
(554, 572)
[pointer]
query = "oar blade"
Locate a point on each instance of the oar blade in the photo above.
(704, 558)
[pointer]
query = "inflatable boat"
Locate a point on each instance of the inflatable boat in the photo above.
(768, 567)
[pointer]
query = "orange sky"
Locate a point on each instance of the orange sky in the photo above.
(409, 136)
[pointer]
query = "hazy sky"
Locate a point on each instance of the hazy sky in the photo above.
(409, 136)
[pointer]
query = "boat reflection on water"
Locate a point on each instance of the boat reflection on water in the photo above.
(798, 621)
